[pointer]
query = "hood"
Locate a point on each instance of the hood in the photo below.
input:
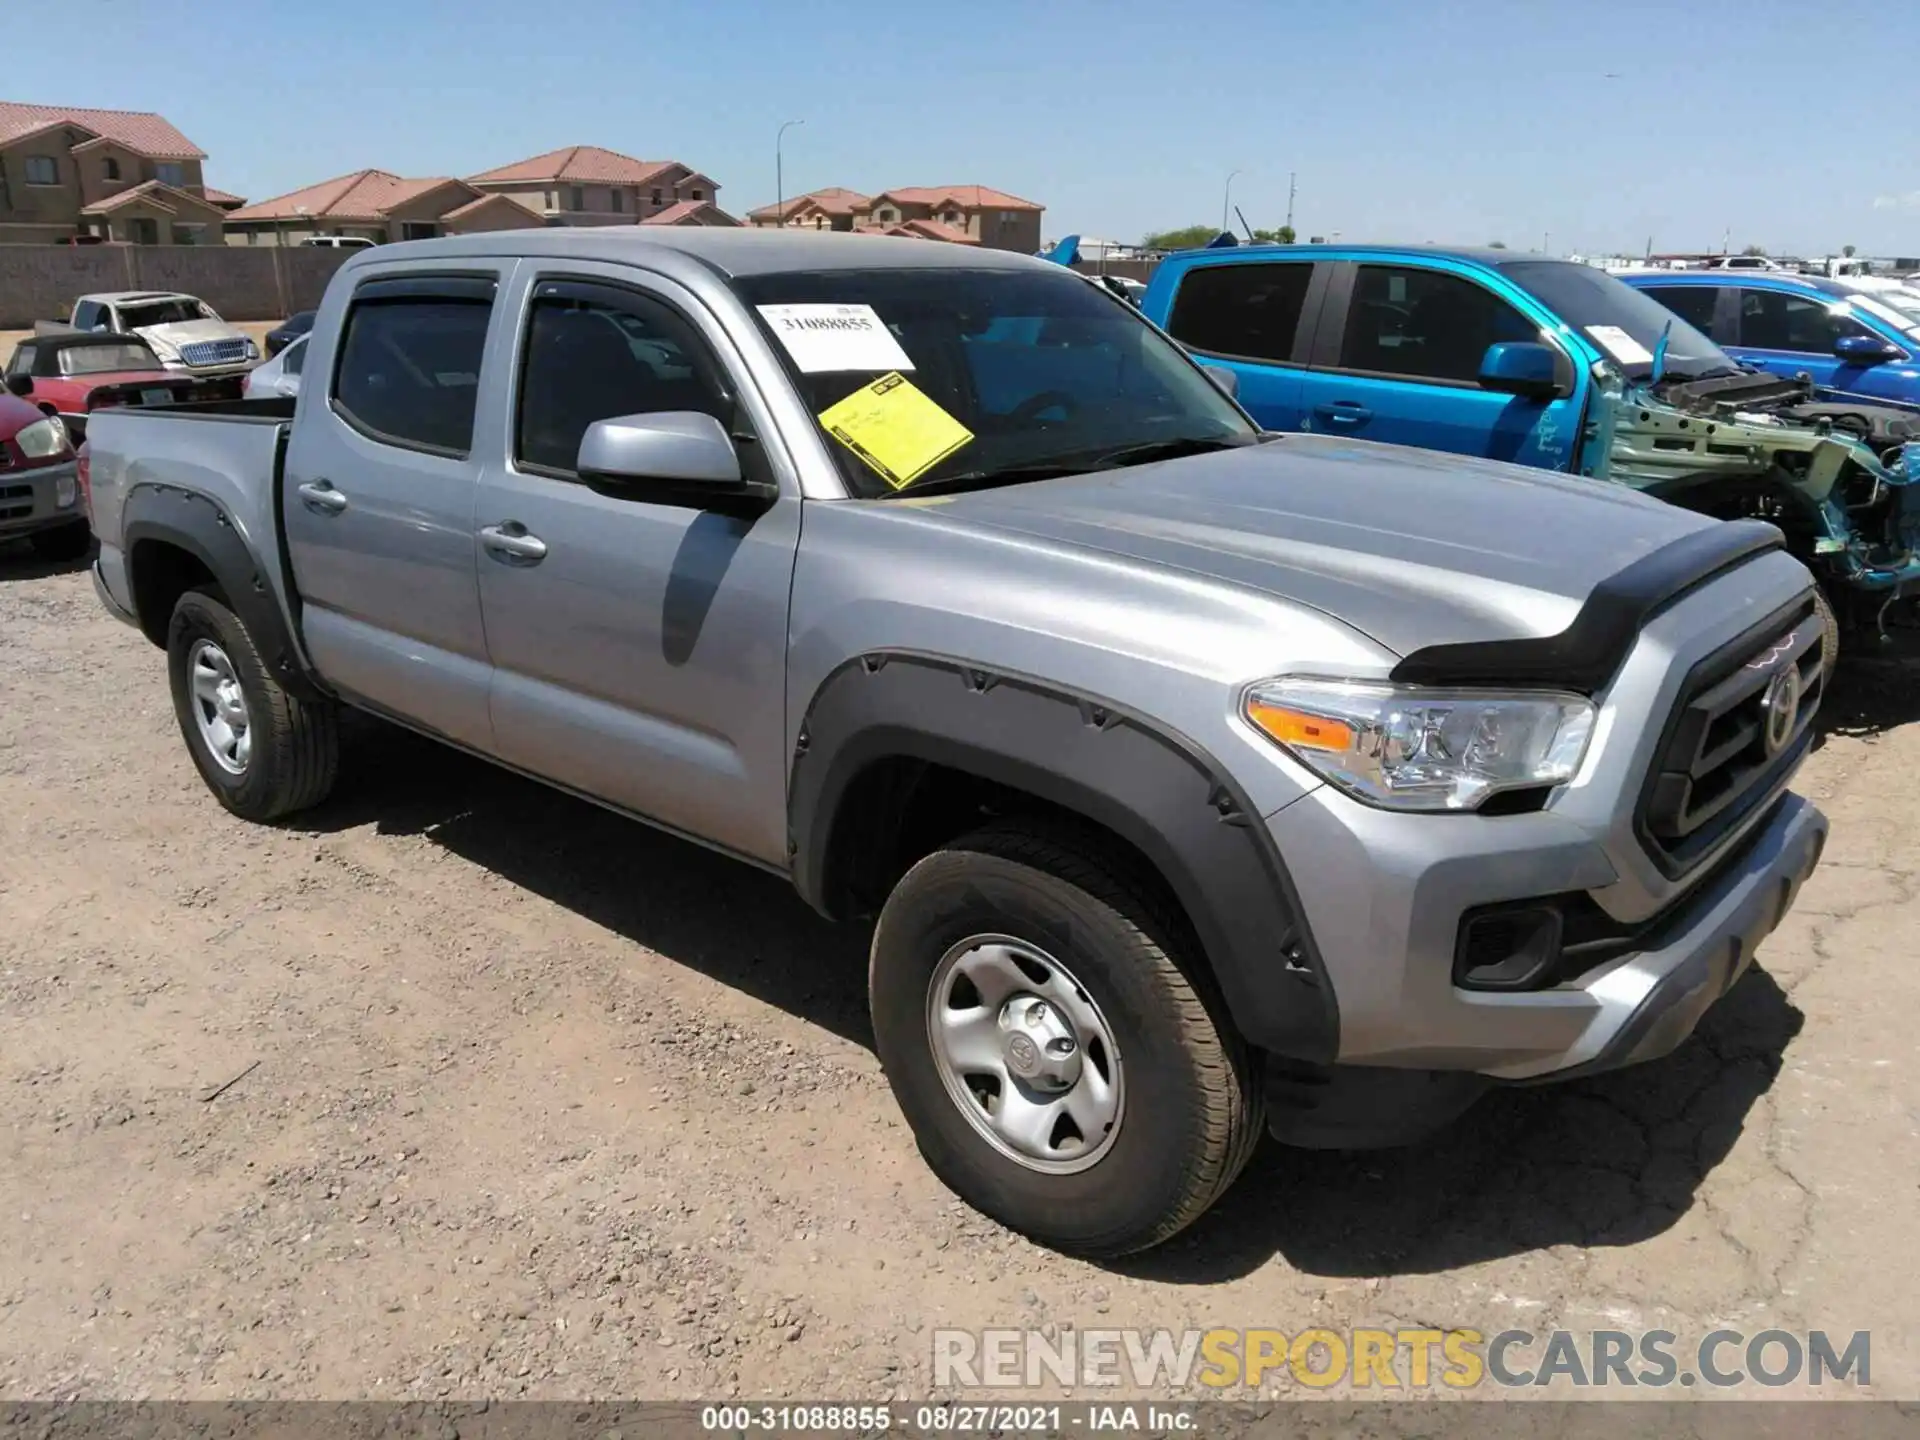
(169, 338)
(1410, 547)
(16, 414)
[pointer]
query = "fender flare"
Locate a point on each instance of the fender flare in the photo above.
(198, 525)
(1147, 783)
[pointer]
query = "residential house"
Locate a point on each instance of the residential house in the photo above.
(117, 174)
(692, 212)
(830, 209)
(959, 214)
(379, 206)
(586, 185)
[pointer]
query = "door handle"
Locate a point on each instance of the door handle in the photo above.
(1344, 412)
(320, 497)
(509, 542)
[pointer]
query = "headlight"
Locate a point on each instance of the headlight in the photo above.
(42, 438)
(1411, 748)
(253, 351)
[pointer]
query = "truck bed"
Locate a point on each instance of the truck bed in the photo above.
(227, 452)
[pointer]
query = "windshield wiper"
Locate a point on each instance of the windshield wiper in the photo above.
(1175, 449)
(1007, 474)
(1088, 463)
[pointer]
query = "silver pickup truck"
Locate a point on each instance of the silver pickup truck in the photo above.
(1201, 780)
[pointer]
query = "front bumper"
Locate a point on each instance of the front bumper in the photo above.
(30, 498)
(209, 372)
(1386, 903)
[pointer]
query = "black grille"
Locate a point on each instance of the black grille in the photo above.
(1732, 738)
(16, 501)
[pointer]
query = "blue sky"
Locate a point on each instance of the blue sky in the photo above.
(1790, 124)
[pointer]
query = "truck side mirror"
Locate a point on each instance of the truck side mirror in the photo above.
(1866, 350)
(1226, 379)
(1521, 367)
(20, 384)
(669, 457)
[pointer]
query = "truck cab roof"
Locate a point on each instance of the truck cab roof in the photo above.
(730, 252)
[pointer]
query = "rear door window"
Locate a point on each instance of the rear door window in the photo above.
(1692, 303)
(1425, 325)
(408, 372)
(1246, 311)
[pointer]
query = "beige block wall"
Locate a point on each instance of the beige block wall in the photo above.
(264, 283)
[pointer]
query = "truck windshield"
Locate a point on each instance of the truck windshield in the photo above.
(106, 359)
(163, 312)
(1033, 373)
(1622, 321)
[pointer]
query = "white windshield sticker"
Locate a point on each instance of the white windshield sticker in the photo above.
(1620, 345)
(836, 337)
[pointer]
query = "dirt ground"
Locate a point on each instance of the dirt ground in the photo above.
(458, 1087)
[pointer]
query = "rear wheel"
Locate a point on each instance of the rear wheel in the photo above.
(263, 752)
(64, 542)
(1043, 1031)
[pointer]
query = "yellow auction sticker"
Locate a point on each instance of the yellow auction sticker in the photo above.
(895, 428)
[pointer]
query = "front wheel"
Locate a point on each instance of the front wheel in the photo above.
(1045, 1035)
(263, 752)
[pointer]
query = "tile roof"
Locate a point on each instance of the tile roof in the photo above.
(136, 129)
(165, 197)
(834, 200)
(221, 197)
(685, 210)
(933, 230)
(971, 197)
(363, 195)
(575, 163)
(533, 216)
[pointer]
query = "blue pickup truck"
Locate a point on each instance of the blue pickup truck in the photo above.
(1555, 365)
(1844, 339)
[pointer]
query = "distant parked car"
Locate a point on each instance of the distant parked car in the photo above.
(288, 330)
(39, 483)
(281, 374)
(338, 242)
(184, 331)
(73, 374)
(1841, 335)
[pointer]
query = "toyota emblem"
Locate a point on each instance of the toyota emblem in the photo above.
(1780, 709)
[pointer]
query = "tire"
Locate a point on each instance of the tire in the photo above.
(1189, 1108)
(291, 752)
(64, 542)
(1829, 634)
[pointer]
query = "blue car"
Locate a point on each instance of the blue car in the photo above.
(1555, 365)
(1843, 339)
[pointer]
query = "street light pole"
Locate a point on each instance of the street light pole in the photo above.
(779, 177)
(1226, 201)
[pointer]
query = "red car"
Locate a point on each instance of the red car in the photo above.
(70, 374)
(39, 483)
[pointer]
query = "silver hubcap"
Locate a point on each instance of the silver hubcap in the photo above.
(220, 707)
(1025, 1053)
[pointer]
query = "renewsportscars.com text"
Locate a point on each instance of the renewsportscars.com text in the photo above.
(1404, 1359)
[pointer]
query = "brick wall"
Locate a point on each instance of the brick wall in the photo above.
(258, 283)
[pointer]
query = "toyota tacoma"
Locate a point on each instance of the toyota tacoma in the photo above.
(1198, 780)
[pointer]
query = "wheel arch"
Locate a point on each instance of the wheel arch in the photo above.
(176, 540)
(883, 722)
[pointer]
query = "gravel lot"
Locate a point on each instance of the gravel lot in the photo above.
(458, 1087)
